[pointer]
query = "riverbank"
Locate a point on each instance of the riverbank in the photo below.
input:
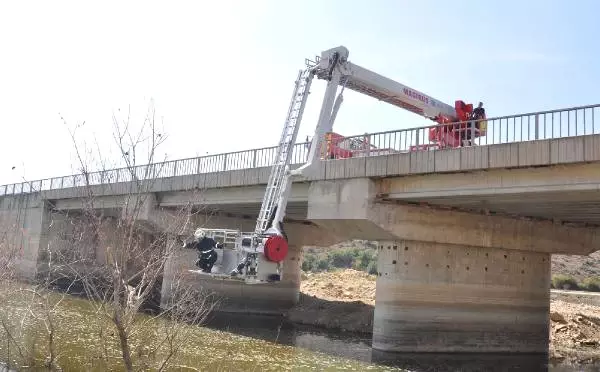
(345, 300)
(84, 339)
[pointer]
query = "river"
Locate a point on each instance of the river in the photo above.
(232, 343)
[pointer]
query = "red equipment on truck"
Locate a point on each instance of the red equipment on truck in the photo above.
(454, 131)
(336, 146)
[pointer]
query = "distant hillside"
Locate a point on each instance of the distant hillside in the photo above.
(579, 267)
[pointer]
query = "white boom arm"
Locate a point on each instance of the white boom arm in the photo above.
(334, 66)
(374, 85)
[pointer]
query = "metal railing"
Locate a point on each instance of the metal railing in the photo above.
(569, 122)
(560, 123)
(247, 159)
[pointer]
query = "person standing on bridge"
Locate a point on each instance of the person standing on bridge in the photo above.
(207, 256)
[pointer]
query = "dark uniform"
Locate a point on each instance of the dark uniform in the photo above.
(477, 115)
(207, 256)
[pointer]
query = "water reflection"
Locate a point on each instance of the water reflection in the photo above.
(280, 330)
(358, 347)
(466, 362)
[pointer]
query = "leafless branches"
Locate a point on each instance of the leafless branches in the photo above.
(113, 245)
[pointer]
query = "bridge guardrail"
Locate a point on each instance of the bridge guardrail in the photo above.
(541, 125)
(559, 123)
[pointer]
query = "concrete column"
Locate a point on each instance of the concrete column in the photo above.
(275, 298)
(291, 271)
(434, 297)
(23, 233)
(235, 296)
(107, 241)
(176, 264)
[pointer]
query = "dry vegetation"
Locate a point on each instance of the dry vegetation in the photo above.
(113, 256)
(579, 267)
(577, 272)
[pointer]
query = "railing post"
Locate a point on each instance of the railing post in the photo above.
(254, 158)
(417, 140)
(224, 162)
(537, 126)
(62, 182)
(198, 166)
(175, 168)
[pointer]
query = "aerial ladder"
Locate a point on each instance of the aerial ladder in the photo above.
(256, 257)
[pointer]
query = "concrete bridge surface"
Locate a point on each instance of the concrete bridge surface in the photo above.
(465, 235)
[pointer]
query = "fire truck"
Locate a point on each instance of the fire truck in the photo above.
(256, 257)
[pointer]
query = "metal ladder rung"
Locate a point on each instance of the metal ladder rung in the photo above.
(275, 184)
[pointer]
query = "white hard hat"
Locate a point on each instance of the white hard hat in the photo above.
(199, 233)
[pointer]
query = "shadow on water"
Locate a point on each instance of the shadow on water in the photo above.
(358, 347)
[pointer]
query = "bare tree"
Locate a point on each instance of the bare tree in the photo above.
(134, 242)
(37, 309)
(113, 247)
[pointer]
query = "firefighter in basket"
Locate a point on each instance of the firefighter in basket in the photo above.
(207, 256)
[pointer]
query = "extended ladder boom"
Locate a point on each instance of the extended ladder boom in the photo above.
(278, 184)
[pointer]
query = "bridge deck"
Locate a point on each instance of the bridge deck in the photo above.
(234, 182)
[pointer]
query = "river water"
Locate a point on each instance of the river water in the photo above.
(227, 343)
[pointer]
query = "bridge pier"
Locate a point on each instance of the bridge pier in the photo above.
(235, 296)
(450, 281)
(434, 297)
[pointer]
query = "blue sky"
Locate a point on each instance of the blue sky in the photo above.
(221, 73)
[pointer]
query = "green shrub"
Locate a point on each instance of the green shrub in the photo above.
(591, 284)
(309, 262)
(564, 282)
(342, 259)
(358, 258)
(372, 269)
(322, 265)
(365, 260)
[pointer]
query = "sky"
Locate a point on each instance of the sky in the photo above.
(220, 74)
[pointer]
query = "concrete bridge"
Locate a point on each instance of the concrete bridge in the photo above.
(465, 235)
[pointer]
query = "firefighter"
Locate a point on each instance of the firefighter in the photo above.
(207, 256)
(476, 116)
(479, 112)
